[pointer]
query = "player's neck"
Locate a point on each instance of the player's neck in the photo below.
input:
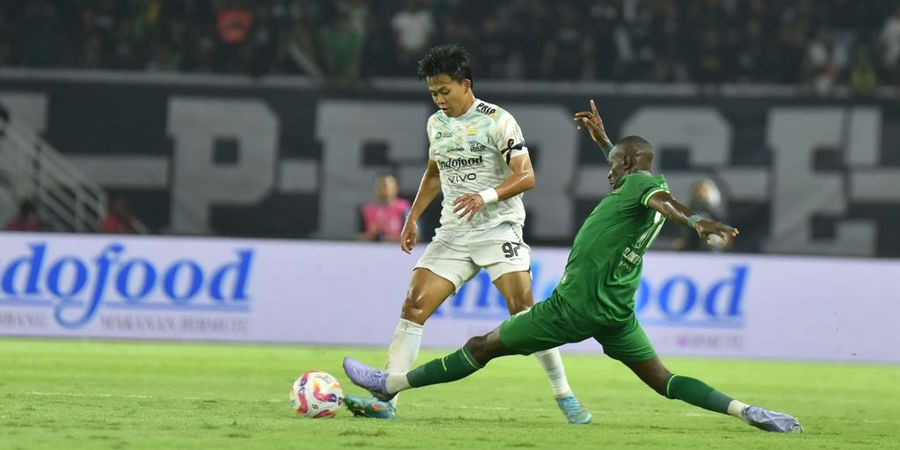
(467, 106)
(633, 171)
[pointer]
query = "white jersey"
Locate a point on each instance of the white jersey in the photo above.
(472, 152)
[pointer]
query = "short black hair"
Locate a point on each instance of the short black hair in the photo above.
(635, 145)
(450, 59)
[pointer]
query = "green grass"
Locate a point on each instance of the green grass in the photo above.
(124, 395)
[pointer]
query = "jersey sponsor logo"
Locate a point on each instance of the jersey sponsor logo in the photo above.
(462, 178)
(458, 163)
(485, 109)
(477, 147)
(471, 131)
(631, 256)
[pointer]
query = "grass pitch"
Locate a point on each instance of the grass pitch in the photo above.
(123, 395)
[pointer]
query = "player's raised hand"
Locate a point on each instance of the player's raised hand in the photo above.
(591, 121)
(467, 205)
(408, 236)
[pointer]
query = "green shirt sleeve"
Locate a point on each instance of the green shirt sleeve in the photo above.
(639, 187)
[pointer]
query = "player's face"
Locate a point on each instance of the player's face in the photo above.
(617, 167)
(449, 95)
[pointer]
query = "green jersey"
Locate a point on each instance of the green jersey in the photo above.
(604, 267)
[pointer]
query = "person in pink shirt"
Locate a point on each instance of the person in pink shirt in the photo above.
(383, 218)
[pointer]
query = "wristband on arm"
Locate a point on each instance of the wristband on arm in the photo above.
(489, 196)
(606, 149)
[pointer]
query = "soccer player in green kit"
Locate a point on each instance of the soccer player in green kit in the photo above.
(595, 297)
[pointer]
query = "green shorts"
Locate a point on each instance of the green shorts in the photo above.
(552, 323)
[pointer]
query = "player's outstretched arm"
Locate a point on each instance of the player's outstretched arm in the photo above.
(428, 190)
(520, 180)
(591, 121)
(681, 214)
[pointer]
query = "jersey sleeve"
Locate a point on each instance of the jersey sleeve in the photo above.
(508, 137)
(652, 189)
(429, 132)
(639, 188)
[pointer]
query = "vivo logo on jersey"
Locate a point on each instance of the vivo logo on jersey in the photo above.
(462, 178)
(682, 300)
(460, 162)
(77, 287)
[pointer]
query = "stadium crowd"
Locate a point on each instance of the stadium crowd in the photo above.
(820, 44)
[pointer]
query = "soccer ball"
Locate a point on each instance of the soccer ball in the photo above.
(316, 395)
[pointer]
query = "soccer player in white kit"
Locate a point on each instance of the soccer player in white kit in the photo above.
(478, 159)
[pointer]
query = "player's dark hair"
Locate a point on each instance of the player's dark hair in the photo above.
(450, 59)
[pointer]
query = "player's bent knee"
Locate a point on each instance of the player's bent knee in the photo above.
(416, 308)
(478, 348)
(413, 314)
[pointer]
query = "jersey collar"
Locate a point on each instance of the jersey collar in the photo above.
(468, 111)
(622, 180)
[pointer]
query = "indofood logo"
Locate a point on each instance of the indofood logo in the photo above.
(77, 288)
(677, 300)
(460, 162)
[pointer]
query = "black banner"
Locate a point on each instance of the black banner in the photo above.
(267, 159)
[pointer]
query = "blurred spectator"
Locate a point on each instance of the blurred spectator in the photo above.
(890, 39)
(234, 22)
(26, 218)
(565, 52)
(821, 69)
(298, 51)
(412, 27)
(706, 200)
(341, 46)
(798, 42)
(863, 77)
(383, 219)
(120, 218)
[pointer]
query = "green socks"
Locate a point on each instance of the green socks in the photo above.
(697, 393)
(452, 367)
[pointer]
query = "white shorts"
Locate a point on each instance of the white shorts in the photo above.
(458, 256)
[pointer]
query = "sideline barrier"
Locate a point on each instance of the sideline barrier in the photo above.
(315, 292)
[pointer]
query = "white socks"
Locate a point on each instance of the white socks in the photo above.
(735, 408)
(396, 382)
(404, 349)
(553, 366)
